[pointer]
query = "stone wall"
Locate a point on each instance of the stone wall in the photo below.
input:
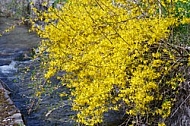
(9, 114)
(20, 8)
(13, 8)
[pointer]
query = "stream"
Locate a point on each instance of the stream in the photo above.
(15, 56)
(12, 46)
(15, 49)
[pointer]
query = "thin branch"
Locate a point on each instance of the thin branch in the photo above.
(180, 106)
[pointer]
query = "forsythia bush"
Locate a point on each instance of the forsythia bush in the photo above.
(116, 55)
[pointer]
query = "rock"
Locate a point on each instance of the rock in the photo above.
(10, 115)
(4, 62)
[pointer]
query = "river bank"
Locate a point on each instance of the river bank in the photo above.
(9, 113)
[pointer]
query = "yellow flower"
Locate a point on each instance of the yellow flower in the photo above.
(110, 55)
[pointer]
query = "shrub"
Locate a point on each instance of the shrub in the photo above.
(116, 55)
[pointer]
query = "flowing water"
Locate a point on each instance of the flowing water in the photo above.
(14, 45)
(15, 49)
